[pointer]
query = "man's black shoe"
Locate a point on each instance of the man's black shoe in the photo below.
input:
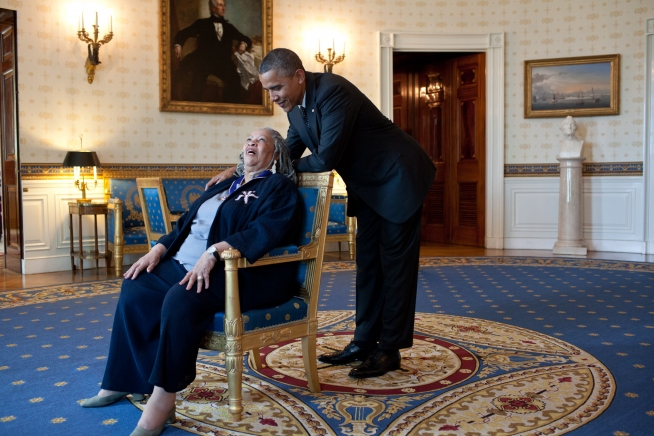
(379, 363)
(347, 355)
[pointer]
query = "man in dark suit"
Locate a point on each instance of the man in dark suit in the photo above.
(213, 55)
(387, 174)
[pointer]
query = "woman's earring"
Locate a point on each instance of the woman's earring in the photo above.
(274, 167)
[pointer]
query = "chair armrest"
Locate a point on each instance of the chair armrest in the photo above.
(304, 252)
(175, 217)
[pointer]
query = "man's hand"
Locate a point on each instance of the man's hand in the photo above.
(147, 262)
(229, 172)
(178, 52)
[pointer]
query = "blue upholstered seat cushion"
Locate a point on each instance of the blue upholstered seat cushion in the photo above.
(293, 310)
(135, 235)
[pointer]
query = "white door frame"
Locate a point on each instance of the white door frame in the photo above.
(648, 157)
(493, 45)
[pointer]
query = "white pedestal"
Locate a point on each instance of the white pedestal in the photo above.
(571, 212)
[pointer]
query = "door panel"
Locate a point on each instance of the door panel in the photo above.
(11, 193)
(469, 219)
(435, 133)
(400, 98)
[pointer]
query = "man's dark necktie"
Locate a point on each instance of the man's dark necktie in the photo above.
(303, 111)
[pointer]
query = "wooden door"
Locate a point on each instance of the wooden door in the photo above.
(468, 160)
(450, 126)
(11, 194)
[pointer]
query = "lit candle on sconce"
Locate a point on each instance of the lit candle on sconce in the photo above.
(330, 59)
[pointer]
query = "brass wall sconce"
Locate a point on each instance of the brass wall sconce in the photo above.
(331, 59)
(93, 45)
(78, 159)
(433, 92)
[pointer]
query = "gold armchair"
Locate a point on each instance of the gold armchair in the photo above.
(235, 332)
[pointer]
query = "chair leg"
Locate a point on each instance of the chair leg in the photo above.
(234, 367)
(339, 250)
(233, 325)
(310, 366)
(352, 247)
(256, 359)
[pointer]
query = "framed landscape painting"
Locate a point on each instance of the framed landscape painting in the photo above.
(210, 54)
(578, 86)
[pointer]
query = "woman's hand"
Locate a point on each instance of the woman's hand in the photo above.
(199, 275)
(229, 172)
(147, 262)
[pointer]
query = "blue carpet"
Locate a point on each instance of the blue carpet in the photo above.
(54, 342)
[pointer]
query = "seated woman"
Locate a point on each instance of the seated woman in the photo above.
(163, 313)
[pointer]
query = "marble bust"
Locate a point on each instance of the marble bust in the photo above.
(570, 145)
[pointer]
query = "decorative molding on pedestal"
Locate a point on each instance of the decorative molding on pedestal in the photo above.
(493, 45)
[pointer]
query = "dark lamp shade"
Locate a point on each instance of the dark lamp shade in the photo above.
(81, 159)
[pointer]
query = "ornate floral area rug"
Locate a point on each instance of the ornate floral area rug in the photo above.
(502, 346)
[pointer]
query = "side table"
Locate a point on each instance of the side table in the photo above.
(81, 209)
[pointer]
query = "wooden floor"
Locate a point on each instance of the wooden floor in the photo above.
(11, 281)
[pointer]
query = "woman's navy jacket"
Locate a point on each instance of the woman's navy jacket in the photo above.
(259, 216)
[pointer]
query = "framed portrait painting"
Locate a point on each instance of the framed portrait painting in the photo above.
(210, 54)
(578, 86)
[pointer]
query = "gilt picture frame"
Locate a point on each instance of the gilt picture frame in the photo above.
(212, 68)
(582, 86)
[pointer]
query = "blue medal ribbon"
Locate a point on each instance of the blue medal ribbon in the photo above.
(237, 183)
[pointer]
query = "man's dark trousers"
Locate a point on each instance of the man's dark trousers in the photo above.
(387, 278)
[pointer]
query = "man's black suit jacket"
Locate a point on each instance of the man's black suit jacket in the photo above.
(210, 50)
(378, 161)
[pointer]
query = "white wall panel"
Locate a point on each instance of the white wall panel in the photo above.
(613, 208)
(613, 215)
(35, 218)
(46, 224)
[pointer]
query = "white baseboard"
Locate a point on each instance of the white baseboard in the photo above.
(592, 245)
(529, 243)
(615, 246)
(45, 264)
(495, 243)
(40, 265)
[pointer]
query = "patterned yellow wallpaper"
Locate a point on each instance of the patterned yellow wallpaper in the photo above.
(119, 113)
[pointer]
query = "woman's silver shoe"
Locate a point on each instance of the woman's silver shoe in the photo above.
(138, 431)
(98, 401)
